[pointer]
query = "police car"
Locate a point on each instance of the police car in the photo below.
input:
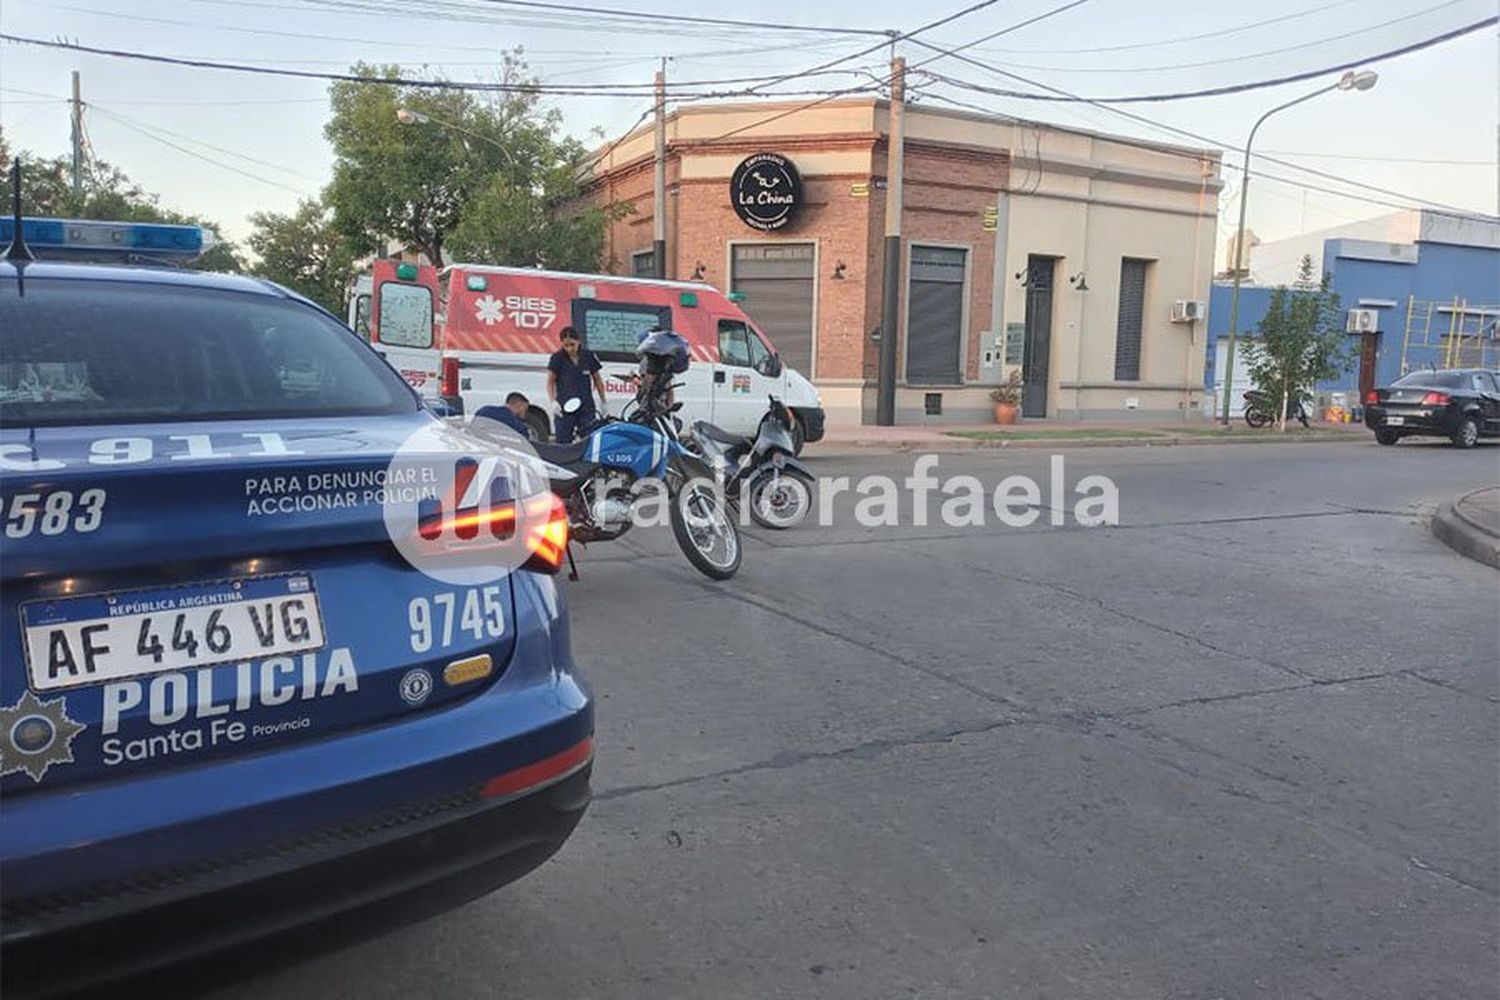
(239, 711)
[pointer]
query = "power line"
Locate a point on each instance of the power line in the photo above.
(1179, 131)
(556, 89)
(885, 81)
(125, 119)
(1165, 150)
(686, 19)
(1058, 95)
(1373, 158)
(1278, 51)
(208, 159)
(271, 32)
(1219, 33)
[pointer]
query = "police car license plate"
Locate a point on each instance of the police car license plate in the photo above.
(94, 638)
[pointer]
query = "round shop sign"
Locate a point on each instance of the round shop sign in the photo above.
(767, 191)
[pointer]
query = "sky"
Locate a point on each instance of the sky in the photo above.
(225, 145)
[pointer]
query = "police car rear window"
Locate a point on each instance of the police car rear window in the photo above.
(90, 352)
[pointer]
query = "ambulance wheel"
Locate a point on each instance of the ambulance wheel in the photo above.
(539, 426)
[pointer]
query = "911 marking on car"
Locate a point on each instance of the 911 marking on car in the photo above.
(139, 450)
(53, 513)
(92, 638)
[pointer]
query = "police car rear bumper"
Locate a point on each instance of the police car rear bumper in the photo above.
(294, 900)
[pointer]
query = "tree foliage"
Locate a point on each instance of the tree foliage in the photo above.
(110, 195)
(304, 252)
(1301, 342)
(484, 176)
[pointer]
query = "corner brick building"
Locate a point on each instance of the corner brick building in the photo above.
(1105, 247)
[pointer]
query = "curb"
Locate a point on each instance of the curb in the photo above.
(953, 443)
(1464, 536)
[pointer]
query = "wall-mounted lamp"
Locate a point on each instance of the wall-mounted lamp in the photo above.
(840, 271)
(1023, 278)
(699, 271)
(1079, 282)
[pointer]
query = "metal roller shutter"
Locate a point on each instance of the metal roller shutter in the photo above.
(777, 280)
(1128, 329)
(934, 316)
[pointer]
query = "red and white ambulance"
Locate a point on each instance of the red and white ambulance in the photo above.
(469, 334)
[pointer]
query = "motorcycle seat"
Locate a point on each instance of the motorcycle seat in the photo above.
(719, 434)
(561, 454)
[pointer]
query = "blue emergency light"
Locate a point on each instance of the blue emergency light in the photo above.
(89, 239)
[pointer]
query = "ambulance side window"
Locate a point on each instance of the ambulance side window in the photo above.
(734, 343)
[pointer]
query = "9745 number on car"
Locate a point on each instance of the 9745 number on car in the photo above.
(94, 638)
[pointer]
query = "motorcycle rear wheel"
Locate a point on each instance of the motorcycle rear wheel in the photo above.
(778, 500)
(1257, 418)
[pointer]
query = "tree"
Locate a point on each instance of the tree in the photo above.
(1301, 342)
(304, 252)
(486, 175)
(109, 195)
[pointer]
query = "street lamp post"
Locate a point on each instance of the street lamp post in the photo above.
(1349, 81)
(406, 116)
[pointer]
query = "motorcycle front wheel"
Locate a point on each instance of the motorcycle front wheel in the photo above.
(778, 500)
(705, 530)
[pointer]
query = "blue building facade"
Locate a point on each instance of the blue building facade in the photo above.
(1429, 303)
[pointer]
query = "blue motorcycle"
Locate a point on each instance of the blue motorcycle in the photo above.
(600, 477)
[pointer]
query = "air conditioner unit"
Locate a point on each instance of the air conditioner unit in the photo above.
(1188, 311)
(1361, 321)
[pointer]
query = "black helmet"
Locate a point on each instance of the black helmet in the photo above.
(663, 351)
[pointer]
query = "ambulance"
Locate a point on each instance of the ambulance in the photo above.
(467, 335)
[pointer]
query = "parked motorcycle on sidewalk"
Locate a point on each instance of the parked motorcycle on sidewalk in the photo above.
(1259, 411)
(599, 477)
(762, 471)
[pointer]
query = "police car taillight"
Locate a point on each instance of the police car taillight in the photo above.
(89, 239)
(546, 527)
(543, 527)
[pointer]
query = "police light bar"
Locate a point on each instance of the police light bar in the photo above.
(91, 239)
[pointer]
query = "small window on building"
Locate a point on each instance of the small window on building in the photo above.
(643, 264)
(734, 343)
(1128, 328)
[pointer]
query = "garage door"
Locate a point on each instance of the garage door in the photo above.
(1243, 383)
(777, 280)
(934, 316)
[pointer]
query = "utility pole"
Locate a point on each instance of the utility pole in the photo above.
(885, 399)
(77, 116)
(659, 215)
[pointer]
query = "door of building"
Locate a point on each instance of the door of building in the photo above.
(1035, 364)
(1369, 352)
(935, 316)
(780, 287)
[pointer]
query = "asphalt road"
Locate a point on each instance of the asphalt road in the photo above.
(1242, 745)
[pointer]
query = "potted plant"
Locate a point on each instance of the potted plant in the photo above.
(1007, 398)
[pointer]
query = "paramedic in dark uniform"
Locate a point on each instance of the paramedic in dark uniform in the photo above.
(573, 373)
(512, 414)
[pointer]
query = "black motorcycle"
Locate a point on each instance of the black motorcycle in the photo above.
(1259, 411)
(762, 471)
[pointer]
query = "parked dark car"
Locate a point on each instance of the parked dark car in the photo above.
(1460, 404)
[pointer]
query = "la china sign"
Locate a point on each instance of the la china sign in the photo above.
(766, 191)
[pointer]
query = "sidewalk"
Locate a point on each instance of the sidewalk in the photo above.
(1072, 434)
(1470, 525)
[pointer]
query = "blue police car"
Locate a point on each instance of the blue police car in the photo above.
(233, 704)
